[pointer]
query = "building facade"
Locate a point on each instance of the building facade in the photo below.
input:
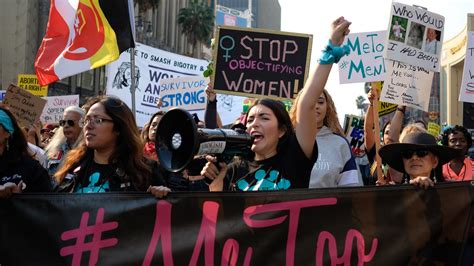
(454, 112)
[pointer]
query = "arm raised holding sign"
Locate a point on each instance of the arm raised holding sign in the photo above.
(283, 155)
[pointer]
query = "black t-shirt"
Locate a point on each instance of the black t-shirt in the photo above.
(290, 168)
(27, 170)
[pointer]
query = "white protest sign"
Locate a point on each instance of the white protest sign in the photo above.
(467, 86)
(185, 92)
(407, 85)
(55, 105)
(365, 62)
(151, 65)
(415, 36)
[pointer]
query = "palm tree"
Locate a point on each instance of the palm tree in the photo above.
(197, 22)
(360, 104)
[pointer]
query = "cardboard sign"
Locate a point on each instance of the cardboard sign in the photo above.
(26, 107)
(415, 36)
(354, 131)
(467, 85)
(434, 129)
(407, 85)
(30, 83)
(384, 107)
(185, 92)
(55, 105)
(254, 62)
(365, 63)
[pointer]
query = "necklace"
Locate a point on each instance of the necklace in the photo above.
(463, 167)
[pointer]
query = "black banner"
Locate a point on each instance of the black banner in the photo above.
(397, 225)
(259, 62)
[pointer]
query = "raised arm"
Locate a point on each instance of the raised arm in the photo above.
(396, 124)
(369, 121)
(305, 126)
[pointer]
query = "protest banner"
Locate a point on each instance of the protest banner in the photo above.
(354, 132)
(255, 62)
(391, 225)
(467, 85)
(54, 108)
(187, 93)
(384, 108)
(407, 85)
(151, 66)
(415, 36)
(30, 83)
(25, 106)
(365, 62)
(434, 129)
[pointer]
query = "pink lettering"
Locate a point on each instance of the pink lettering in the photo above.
(207, 234)
(162, 228)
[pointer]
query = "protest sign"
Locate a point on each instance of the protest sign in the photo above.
(407, 85)
(384, 107)
(415, 36)
(434, 129)
(185, 92)
(467, 86)
(386, 225)
(26, 107)
(354, 131)
(30, 83)
(151, 66)
(254, 62)
(2, 95)
(365, 62)
(55, 105)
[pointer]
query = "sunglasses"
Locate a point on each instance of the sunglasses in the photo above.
(420, 153)
(69, 122)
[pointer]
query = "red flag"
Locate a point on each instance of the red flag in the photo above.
(82, 35)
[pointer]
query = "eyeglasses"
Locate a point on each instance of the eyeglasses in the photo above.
(96, 121)
(70, 123)
(420, 153)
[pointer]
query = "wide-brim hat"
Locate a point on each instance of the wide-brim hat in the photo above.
(391, 154)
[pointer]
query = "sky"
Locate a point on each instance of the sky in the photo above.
(315, 16)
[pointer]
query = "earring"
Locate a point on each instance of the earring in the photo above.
(434, 175)
(7, 145)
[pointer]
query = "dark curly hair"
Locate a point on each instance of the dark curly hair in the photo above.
(453, 130)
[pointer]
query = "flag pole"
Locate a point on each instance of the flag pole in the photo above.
(132, 84)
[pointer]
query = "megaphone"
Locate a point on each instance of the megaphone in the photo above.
(178, 140)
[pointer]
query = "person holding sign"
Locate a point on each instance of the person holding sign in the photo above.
(283, 155)
(110, 156)
(460, 168)
(417, 157)
(18, 170)
(335, 167)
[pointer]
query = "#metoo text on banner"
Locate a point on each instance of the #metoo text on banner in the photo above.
(415, 36)
(365, 63)
(467, 86)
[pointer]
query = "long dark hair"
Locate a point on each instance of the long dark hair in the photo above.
(284, 121)
(127, 156)
(148, 125)
(17, 144)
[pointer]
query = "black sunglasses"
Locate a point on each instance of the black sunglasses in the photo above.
(409, 153)
(69, 122)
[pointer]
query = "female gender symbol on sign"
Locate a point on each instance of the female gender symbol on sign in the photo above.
(227, 49)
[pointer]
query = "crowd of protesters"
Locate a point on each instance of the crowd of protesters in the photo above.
(98, 148)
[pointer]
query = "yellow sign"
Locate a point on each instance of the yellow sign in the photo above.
(30, 83)
(434, 129)
(384, 107)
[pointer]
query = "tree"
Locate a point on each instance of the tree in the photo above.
(360, 104)
(197, 22)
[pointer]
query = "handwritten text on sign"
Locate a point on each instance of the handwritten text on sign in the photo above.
(55, 105)
(407, 85)
(467, 86)
(354, 131)
(25, 106)
(415, 36)
(365, 62)
(185, 92)
(251, 62)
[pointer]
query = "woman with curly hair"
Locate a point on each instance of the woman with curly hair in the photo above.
(335, 166)
(110, 156)
(460, 167)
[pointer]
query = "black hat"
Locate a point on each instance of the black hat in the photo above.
(392, 153)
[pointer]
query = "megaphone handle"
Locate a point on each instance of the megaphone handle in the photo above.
(220, 159)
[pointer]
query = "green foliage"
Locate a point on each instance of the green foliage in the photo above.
(197, 22)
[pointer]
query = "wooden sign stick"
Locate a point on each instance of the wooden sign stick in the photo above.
(375, 108)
